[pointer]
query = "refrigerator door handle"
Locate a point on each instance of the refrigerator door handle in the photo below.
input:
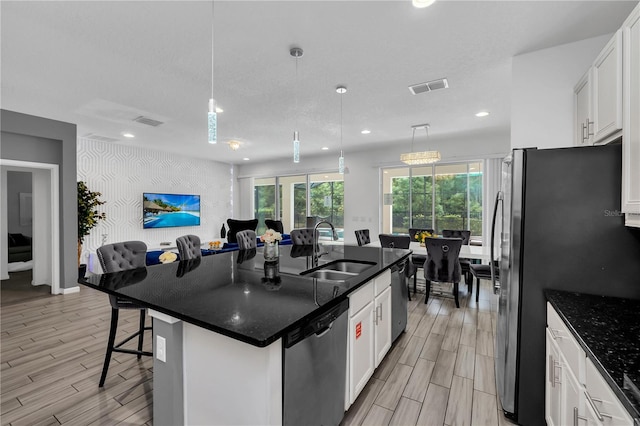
(494, 281)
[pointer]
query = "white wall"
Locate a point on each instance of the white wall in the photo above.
(362, 181)
(542, 92)
(123, 173)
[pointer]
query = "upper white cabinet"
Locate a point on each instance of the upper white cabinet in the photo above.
(631, 118)
(598, 96)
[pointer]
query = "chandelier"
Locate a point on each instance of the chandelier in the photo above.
(419, 157)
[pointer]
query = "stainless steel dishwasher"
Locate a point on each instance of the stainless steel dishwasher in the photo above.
(315, 368)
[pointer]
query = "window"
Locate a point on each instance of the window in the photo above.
(442, 196)
(264, 193)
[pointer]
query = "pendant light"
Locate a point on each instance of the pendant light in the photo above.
(420, 157)
(296, 52)
(212, 116)
(341, 90)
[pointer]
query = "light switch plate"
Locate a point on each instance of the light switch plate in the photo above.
(161, 349)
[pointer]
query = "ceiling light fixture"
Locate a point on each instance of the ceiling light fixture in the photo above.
(365, 131)
(234, 145)
(128, 135)
(421, 157)
(325, 148)
(212, 115)
(341, 90)
(482, 114)
(245, 159)
(296, 52)
(422, 3)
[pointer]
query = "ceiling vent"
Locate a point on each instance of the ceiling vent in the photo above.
(95, 137)
(148, 121)
(429, 86)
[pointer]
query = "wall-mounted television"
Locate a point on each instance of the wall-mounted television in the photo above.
(170, 210)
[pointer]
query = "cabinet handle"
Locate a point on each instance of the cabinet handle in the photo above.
(582, 134)
(553, 332)
(577, 417)
(379, 312)
(551, 372)
(589, 123)
(593, 406)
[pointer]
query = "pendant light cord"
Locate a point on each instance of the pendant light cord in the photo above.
(413, 136)
(341, 95)
(212, 44)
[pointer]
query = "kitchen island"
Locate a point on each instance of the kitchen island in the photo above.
(220, 324)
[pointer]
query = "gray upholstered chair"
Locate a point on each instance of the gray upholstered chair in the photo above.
(276, 225)
(120, 257)
(246, 239)
(362, 236)
(304, 237)
(465, 264)
(189, 247)
(442, 264)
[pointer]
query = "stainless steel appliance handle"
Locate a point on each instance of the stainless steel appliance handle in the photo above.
(494, 281)
(593, 406)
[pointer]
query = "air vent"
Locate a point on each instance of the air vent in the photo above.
(429, 86)
(95, 137)
(148, 121)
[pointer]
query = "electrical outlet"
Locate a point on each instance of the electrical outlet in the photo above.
(161, 349)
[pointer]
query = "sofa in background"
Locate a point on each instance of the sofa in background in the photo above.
(19, 248)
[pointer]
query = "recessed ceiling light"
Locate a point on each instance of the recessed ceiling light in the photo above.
(128, 135)
(422, 3)
(246, 158)
(482, 114)
(365, 131)
(219, 110)
(326, 177)
(325, 148)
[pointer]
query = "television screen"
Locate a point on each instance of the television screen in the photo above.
(169, 210)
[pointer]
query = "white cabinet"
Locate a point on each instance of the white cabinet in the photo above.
(598, 96)
(631, 118)
(369, 332)
(575, 392)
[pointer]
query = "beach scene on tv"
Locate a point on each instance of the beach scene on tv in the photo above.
(169, 210)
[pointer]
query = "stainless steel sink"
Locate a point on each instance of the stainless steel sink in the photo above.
(338, 270)
(324, 274)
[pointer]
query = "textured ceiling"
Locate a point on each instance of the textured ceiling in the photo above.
(99, 64)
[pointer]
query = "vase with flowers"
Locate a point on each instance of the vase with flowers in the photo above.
(420, 236)
(271, 240)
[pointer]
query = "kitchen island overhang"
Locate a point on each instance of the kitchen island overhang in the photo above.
(223, 323)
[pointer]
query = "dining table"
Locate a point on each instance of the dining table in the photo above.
(481, 253)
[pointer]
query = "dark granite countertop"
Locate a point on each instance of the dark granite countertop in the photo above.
(608, 329)
(235, 294)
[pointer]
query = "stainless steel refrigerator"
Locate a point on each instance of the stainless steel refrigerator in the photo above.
(560, 227)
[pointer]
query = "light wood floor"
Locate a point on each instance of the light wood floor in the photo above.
(440, 372)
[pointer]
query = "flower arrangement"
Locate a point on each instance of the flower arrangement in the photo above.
(270, 236)
(420, 236)
(167, 257)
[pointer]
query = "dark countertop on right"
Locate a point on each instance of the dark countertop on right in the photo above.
(608, 329)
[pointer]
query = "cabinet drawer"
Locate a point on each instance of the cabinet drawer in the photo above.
(568, 345)
(382, 281)
(361, 297)
(603, 400)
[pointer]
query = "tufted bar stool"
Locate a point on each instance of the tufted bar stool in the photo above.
(120, 257)
(246, 239)
(189, 247)
(304, 237)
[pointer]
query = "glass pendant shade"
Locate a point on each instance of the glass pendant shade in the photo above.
(341, 163)
(212, 122)
(296, 148)
(424, 157)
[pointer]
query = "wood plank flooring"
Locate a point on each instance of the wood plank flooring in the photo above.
(440, 372)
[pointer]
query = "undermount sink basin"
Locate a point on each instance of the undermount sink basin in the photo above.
(338, 270)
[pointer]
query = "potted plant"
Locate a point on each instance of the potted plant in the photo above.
(88, 216)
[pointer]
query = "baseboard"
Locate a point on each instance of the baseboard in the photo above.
(70, 290)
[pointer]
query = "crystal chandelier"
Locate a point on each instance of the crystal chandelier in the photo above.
(212, 116)
(341, 90)
(419, 157)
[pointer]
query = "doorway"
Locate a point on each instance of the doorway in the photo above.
(43, 204)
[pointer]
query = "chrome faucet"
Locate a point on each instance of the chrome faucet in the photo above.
(334, 234)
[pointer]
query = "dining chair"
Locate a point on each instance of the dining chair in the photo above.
(442, 264)
(483, 272)
(465, 264)
(276, 225)
(186, 266)
(400, 242)
(304, 236)
(246, 239)
(118, 257)
(362, 236)
(189, 247)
